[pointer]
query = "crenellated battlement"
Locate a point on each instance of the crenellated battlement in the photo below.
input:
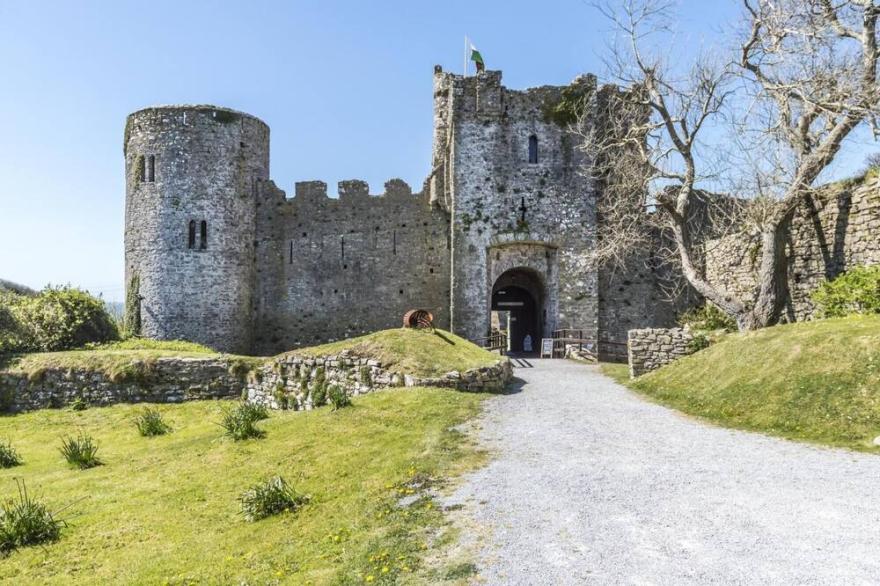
(351, 192)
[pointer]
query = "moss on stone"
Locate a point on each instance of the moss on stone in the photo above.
(568, 107)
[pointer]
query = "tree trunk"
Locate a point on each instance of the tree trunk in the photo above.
(772, 285)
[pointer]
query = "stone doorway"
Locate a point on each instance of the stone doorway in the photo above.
(518, 307)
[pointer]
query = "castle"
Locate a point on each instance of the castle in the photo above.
(216, 253)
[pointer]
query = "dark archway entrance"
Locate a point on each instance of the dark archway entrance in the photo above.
(517, 306)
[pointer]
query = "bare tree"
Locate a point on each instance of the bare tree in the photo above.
(807, 69)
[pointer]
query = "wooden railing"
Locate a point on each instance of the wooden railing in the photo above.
(497, 341)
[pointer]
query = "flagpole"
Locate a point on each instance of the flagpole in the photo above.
(465, 56)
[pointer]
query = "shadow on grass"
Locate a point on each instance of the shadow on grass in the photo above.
(444, 338)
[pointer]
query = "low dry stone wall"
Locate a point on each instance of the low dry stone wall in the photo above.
(165, 380)
(297, 382)
(650, 349)
(288, 382)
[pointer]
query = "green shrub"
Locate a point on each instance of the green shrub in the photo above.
(150, 423)
(80, 451)
(698, 342)
(79, 404)
(26, 522)
(56, 319)
(253, 411)
(319, 394)
(239, 422)
(338, 397)
(279, 393)
(707, 318)
(270, 498)
(366, 376)
(8, 455)
(856, 291)
(12, 335)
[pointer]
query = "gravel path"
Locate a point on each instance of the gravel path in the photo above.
(592, 484)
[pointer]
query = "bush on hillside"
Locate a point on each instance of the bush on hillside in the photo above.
(26, 521)
(338, 397)
(8, 455)
(240, 421)
(150, 423)
(270, 498)
(80, 451)
(12, 336)
(856, 291)
(708, 318)
(59, 318)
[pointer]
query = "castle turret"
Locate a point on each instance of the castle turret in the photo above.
(192, 178)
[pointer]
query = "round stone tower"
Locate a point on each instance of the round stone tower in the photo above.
(192, 175)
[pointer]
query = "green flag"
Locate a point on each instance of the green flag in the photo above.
(477, 59)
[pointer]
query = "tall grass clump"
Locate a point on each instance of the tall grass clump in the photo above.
(239, 423)
(269, 498)
(150, 423)
(26, 521)
(8, 455)
(80, 451)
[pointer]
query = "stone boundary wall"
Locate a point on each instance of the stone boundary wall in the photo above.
(298, 382)
(649, 349)
(289, 382)
(167, 380)
(831, 232)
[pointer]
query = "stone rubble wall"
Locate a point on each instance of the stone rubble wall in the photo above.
(299, 382)
(289, 382)
(831, 232)
(167, 380)
(651, 348)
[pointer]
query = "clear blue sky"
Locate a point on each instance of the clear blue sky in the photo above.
(345, 86)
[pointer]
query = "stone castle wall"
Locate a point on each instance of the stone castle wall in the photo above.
(334, 268)
(833, 231)
(631, 297)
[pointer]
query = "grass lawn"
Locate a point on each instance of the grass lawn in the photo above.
(411, 351)
(815, 381)
(163, 510)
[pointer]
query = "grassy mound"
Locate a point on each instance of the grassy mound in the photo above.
(816, 381)
(115, 360)
(417, 352)
(167, 510)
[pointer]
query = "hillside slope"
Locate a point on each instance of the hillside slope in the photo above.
(816, 381)
(419, 352)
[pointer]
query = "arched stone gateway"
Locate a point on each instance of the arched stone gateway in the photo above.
(523, 294)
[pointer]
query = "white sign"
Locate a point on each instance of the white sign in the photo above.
(547, 347)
